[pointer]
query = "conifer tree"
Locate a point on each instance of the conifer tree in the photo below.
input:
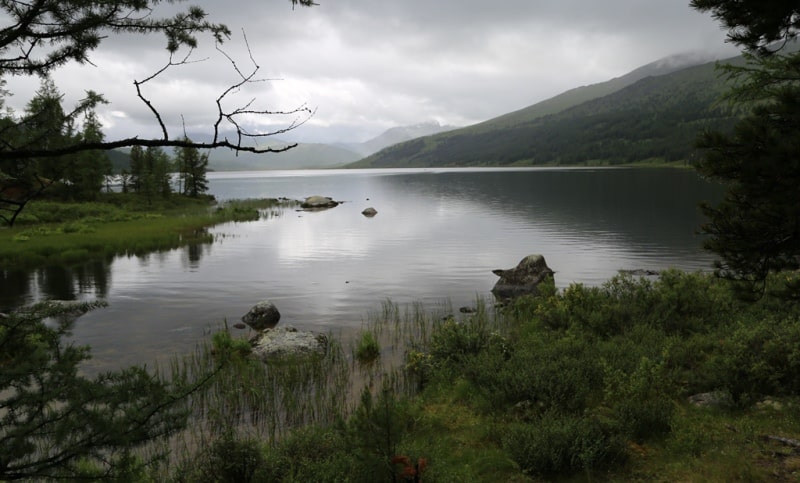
(86, 173)
(192, 167)
(755, 230)
(54, 420)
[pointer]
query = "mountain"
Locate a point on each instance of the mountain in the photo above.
(397, 135)
(319, 156)
(655, 111)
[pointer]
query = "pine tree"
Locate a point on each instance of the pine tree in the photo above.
(44, 126)
(192, 167)
(755, 230)
(154, 179)
(86, 172)
(137, 168)
(54, 420)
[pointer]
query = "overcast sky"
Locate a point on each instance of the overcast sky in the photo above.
(368, 65)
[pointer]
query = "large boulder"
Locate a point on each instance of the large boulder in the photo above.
(263, 315)
(318, 203)
(523, 279)
(282, 342)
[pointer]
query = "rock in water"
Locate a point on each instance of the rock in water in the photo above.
(282, 342)
(523, 279)
(263, 315)
(370, 212)
(318, 202)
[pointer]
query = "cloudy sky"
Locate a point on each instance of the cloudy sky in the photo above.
(364, 66)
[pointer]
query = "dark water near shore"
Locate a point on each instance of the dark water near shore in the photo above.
(437, 236)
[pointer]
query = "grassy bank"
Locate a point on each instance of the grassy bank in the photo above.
(49, 232)
(585, 384)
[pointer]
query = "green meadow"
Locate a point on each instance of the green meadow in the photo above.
(51, 233)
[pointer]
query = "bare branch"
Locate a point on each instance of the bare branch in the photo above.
(147, 102)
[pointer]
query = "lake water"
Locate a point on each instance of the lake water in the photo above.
(436, 238)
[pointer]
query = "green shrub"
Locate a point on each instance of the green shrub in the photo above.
(640, 401)
(543, 372)
(760, 358)
(375, 431)
(229, 459)
(454, 342)
(558, 445)
(310, 454)
(368, 348)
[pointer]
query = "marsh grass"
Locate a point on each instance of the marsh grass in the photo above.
(67, 233)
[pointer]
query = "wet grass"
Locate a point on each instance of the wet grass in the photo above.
(58, 233)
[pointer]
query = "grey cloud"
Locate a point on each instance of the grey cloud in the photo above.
(368, 65)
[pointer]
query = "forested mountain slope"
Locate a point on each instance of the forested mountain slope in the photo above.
(655, 117)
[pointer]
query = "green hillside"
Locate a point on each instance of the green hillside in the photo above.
(636, 117)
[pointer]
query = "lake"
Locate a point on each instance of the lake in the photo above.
(436, 238)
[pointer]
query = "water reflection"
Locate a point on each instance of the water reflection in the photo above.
(77, 282)
(80, 282)
(437, 236)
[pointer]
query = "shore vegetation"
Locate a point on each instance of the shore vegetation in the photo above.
(54, 231)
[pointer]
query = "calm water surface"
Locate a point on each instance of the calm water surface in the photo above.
(437, 236)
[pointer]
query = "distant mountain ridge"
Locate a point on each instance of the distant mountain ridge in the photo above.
(320, 156)
(653, 112)
(304, 156)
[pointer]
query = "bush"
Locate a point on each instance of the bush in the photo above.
(229, 459)
(558, 445)
(761, 358)
(640, 401)
(368, 348)
(310, 454)
(544, 372)
(455, 342)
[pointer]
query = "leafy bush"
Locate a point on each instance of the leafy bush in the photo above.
(760, 358)
(641, 400)
(543, 372)
(558, 445)
(454, 342)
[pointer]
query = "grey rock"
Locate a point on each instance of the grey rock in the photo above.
(710, 399)
(318, 203)
(369, 212)
(639, 272)
(523, 279)
(263, 315)
(282, 342)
